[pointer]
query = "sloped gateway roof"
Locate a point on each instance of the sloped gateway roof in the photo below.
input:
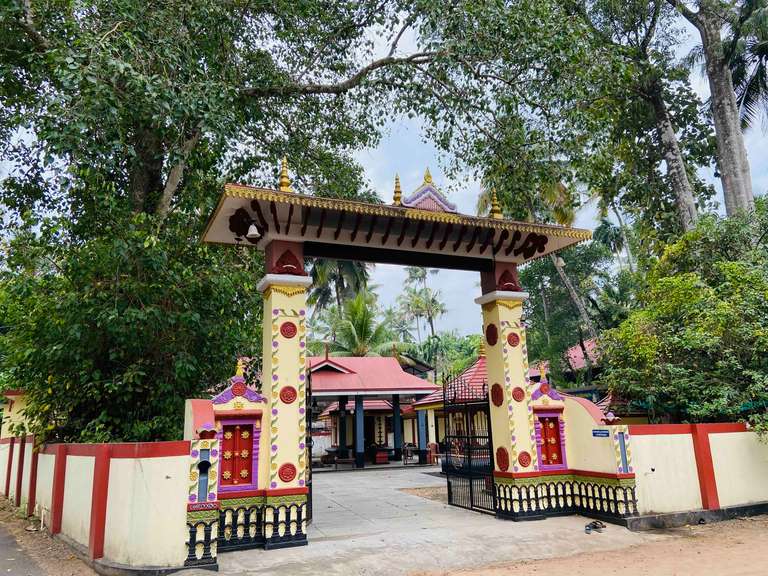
(421, 230)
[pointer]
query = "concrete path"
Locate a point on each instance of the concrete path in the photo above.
(13, 560)
(364, 525)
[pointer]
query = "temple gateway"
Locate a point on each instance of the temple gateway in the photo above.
(513, 447)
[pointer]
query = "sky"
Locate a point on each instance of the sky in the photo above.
(403, 151)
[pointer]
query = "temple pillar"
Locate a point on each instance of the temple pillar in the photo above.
(421, 420)
(342, 452)
(509, 388)
(397, 427)
(359, 432)
(284, 467)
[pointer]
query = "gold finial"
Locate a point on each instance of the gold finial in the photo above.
(495, 208)
(481, 352)
(427, 176)
(240, 371)
(542, 372)
(285, 182)
(398, 192)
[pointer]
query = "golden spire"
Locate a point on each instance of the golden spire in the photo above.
(285, 182)
(495, 208)
(240, 371)
(397, 201)
(481, 352)
(427, 176)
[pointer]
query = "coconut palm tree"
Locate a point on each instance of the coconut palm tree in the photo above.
(611, 237)
(336, 281)
(358, 333)
(747, 53)
(431, 307)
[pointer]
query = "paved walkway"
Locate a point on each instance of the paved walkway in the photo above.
(364, 525)
(13, 560)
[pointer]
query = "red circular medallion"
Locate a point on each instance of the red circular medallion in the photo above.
(288, 329)
(492, 334)
(502, 459)
(513, 339)
(518, 394)
(238, 388)
(497, 395)
(288, 394)
(524, 459)
(544, 388)
(287, 472)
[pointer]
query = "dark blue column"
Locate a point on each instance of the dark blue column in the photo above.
(397, 425)
(421, 421)
(359, 432)
(343, 452)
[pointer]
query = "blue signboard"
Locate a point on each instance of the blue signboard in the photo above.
(601, 433)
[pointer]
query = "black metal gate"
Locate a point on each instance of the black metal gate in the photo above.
(468, 461)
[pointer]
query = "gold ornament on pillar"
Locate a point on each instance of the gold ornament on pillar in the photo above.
(285, 182)
(398, 197)
(495, 208)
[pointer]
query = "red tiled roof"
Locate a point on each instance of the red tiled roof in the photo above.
(575, 356)
(366, 374)
(474, 378)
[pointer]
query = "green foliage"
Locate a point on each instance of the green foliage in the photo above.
(109, 336)
(356, 331)
(553, 321)
(695, 351)
(447, 352)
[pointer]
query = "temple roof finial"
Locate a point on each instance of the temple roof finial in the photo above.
(495, 208)
(481, 351)
(427, 176)
(240, 370)
(284, 183)
(398, 198)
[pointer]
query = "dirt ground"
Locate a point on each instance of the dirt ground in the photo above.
(733, 548)
(52, 556)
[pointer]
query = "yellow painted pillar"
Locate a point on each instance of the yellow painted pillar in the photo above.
(284, 466)
(509, 389)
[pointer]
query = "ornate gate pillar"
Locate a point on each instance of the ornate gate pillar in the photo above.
(284, 385)
(514, 440)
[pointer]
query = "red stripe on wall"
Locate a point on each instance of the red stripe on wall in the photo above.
(20, 472)
(99, 494)
(723, 427)
(8, 468)
(650, 429)
(705, 467)
(126, 449)
(32, 483)
(57, 490)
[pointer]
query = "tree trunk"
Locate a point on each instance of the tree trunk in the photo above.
(545, 308)
(431, 325)
(577, 301)
(623, 229)
(587, 359)
(678, 176)
(732, 159)
(146, 169)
